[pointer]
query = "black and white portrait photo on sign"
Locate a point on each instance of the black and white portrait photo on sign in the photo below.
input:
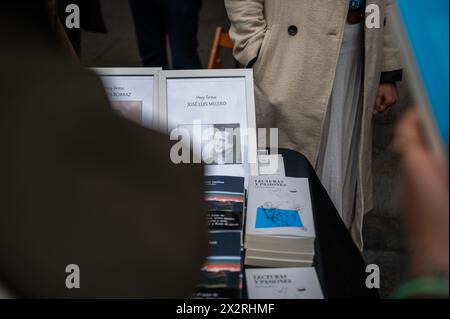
(221, 143)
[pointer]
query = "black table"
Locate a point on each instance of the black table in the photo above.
(338, 262)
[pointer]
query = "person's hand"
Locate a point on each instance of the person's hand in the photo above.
(425, 200)
(387, 96)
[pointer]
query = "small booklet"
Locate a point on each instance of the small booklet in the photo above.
(283, 283)
(271, 165)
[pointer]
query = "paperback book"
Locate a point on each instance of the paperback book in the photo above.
(279, 224)
(283, 283)
(222, 272)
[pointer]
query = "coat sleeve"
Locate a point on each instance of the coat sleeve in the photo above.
(248, 27)
(391, 52)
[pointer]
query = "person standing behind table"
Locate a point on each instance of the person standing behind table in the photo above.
(178, 19)
(318, 83)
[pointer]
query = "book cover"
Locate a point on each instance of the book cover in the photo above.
(283, 283)
(224, 189)
(279, 206)
(225, 252)
(219, 285)
(224, 220)
(225, 196)
(222, 272)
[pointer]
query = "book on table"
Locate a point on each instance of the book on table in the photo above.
(283, 283)
(279, 228)
(222, 271)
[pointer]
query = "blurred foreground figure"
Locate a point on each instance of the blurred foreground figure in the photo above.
(81, 185)
(177, 19)
(426, 211)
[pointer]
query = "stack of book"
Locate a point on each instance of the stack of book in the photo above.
(279, 223)
(225, 197)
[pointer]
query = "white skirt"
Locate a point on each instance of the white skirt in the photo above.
(338, 154)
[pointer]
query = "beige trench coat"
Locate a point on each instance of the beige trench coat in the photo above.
(294, 74)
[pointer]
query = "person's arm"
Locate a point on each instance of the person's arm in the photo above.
(387, 94)
(248, 27)
(425, 203)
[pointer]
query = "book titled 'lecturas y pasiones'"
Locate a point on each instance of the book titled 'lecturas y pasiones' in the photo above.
(283, 283)
(280, 224)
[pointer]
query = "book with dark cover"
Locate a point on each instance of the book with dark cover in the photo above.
(225, 251)
(222, 272)
(224, 184)
(223, 220)
(225, 196)
(219, 285)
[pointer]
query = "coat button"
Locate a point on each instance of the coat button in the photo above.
(292, 30)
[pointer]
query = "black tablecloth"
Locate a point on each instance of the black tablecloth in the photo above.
(338, 262)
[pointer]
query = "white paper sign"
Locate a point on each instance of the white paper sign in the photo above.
(214, 111)
(132, 97)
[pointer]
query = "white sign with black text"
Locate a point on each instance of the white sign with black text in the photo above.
(133, 93)
(216, 109)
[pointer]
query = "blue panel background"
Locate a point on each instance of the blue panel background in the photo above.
(427, 25)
